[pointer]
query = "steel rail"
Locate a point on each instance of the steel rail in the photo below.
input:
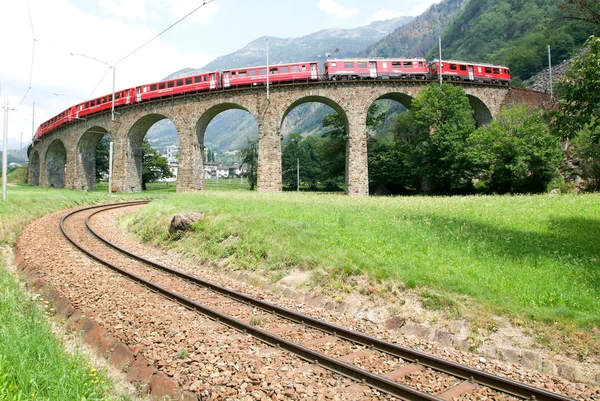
(486, 379)
(373, 380)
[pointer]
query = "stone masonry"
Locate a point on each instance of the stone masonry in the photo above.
(66, 156)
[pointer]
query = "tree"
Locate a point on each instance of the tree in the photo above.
(578, 94)
(249, 157)
(516, 153)
(435, 133)
(586, 148)
(583, 10)
(154, 165)
(303, 151)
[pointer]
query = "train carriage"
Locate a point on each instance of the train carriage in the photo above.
(280, 73)
(103, 103)
(376, 68)
(474, 72)
(197, 83)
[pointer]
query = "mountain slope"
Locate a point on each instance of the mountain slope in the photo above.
(417, 37)
(515, 33)
(306, 48)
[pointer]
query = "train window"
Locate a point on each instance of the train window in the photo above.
(273, 70)
(362, 65)
(205, 78)
(463, 67)
(117, 96)
(408, 64)
(103, 100)
(295, 68)
(453, 66)
(188, 81)
(92, 103)
(506, 71)
(348, 65)
(488, 70)
(197, 79)
(479, 69)
(170, 84)
(284, 70)
(420, 64)
(334, 64)
(303, 68)
(161, 86)
(179, 82)
(263, 71)
(242, 73)
(253, 73)
(87, 105)
(396, 64)
(153, 87)
(496, 70)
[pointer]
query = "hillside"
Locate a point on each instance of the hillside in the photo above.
(310, 47)
(418, 36)
(231, 130)
(514, 33)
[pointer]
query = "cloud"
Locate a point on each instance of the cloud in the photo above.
(59, 79)
(422, 7)
(385, 14)
(341, 12)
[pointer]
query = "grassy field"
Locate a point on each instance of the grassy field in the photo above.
(534, 257)
(33, 362)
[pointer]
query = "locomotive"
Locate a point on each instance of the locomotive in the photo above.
(334, 70)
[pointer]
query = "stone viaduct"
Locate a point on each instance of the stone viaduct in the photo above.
(65, 157)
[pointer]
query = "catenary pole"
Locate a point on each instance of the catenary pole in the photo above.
(33, 124)
(112, 111)
(550, 70)
(5, 150)
(441, 65)
(267, 69)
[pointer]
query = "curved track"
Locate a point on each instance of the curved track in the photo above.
(300, 334)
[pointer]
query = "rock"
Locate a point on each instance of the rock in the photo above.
(395, 322)
(184, 221)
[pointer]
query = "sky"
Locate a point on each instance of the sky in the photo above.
(58, 53)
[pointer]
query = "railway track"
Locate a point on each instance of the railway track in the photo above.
(322, 345)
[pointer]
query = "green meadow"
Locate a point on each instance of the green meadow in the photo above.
(33, 362)
(530, 256)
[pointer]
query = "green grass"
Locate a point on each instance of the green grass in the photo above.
(33, 363)
(530, 256)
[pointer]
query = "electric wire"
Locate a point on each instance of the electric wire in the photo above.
(32, 52)
(204, 2)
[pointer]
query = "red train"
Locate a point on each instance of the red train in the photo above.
(347, 69)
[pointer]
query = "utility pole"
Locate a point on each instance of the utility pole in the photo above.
(550, 68)
(110, 167)
(5, 151)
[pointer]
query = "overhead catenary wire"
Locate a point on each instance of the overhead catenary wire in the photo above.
(204, 2)
(32, 53)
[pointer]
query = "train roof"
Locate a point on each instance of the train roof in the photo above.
(270, 65)
(469, 62)
(378, 59)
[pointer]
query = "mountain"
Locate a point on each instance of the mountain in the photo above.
(417, 37)
(231, 130)
(514, 33)
(306, 48)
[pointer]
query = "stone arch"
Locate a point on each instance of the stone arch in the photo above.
(481, 112)
(86, 154)
(402, 98)
(315, 99)
(207, 117)
(56, 162)
(137, 132)
(34, 169)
